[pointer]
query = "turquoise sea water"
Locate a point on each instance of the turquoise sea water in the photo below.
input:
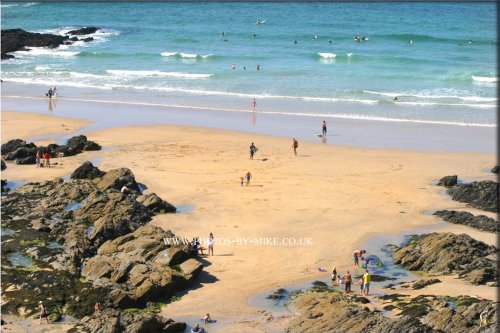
(176, 53)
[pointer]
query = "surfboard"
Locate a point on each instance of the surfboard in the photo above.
(211, 321)
(318, 135)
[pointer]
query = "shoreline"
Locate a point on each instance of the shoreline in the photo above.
(201, 166)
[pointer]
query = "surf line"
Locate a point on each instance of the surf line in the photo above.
(339, 116)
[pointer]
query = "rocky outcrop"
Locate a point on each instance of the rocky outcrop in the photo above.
(133, 265)
(156, 204)
(4, 166)
(447, 253)
(331, 311)
(53, 230)
(87, 171)
(482, 195)
(448, 181)
(116, 179)
(5, 188)
(419, 284)
(24, 153)
(82, 31)
(20, 40)
(480, 222)
(113, 321)
(495, 169)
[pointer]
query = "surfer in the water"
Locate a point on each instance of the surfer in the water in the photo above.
(396, 99)
(295, 42)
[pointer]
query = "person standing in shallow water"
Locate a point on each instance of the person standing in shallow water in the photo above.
(295, 145)
(347, 280)
(254, 104)
(323, 125)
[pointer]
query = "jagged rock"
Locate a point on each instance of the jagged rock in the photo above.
(156, 204)
(26, 160)
(447, 253)
(76, 145)
(420, 284)
(448, 181)
(82, 31)
(21, 152)
(277, 294)
(5, 189)
(88, 39)
(18, 39)
(129, 260)
(63, 227)
(495, 169)
(87, 171)
(114, 321)
(117, 178)
(4, 166)
(482, 195)
(173, 255)
(480, 222)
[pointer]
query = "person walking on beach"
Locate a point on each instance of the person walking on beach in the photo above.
(37, 159)
(254, 104)
(295, 145)
(323, 125)
(366, 282)
(97, 307)
(347, 281)
(248, 177)
(253, 149)
(210, 243)
(46, 156)
(43, 312)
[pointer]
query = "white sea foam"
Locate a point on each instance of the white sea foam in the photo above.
(29, 4)
(349, 54)
(185, 55)
(86, 75)
(327, 55)
(428, 96)
(485, 79)
(158, 73)
(10, 5)
(40, 51)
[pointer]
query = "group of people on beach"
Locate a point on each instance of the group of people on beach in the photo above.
(346, 280)
(42, 160)
(196, 248)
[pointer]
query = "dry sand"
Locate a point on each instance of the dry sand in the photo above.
(337, 197)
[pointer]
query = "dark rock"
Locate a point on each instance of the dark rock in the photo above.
(74, 39)
(5, 189)
(448, 181)
(12, 145)
(114, 321)
(87, 171)
(18, 39)
(117, 178)
(88, 39)
(495, 169)
(482, 195)
(424, 283)
(447, 253)
(480, 222)
(91, 145)
(277, 294)
(156, 204)
(4, 166)
(26, 160)
(82, 31)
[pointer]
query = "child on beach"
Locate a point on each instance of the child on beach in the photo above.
(340, 280)
(43, 312)
(242, 179)
(37, 159)
(360, 283)
(248, 176)
(210, 243)
(334, 274)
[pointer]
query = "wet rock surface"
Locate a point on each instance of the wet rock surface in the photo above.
(495, 169)
(332, 311)
(73, 244)
(24, 153)
(448, 181)
(479, 222)
(114, 321)
(447, 253)
(482, 195)
(20, 40)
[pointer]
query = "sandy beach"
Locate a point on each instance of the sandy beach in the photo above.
(329, 200)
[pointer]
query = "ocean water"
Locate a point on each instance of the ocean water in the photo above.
(182, 54)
